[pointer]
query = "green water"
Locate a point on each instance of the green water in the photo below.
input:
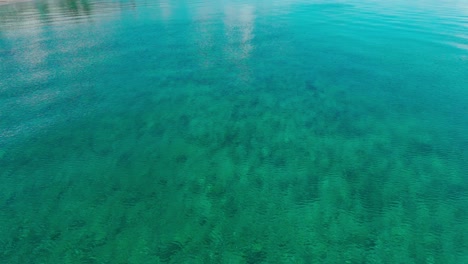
(234, 132)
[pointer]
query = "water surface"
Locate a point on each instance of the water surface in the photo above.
(234, 131)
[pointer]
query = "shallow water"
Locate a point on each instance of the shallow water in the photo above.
(234, 132)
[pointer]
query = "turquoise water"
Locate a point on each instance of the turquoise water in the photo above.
(234, 131)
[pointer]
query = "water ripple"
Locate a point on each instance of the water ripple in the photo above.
(233, 131)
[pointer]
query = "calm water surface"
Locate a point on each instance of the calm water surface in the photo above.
(234, 131)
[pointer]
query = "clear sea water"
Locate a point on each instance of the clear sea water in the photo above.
(234, 131)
